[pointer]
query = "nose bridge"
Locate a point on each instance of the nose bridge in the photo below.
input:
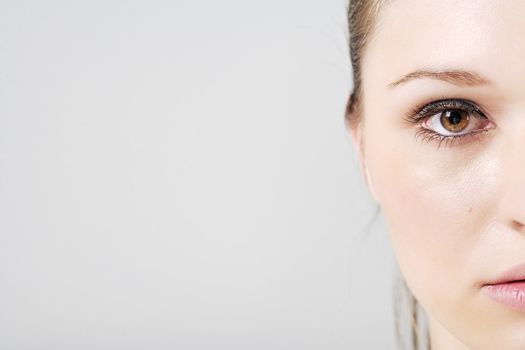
(513, 175)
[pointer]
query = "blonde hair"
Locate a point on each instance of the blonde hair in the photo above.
(362, 18)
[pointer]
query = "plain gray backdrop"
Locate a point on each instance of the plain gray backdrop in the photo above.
(177, 175)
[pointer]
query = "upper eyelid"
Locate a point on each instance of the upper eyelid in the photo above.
(445, 104)
(422, 111)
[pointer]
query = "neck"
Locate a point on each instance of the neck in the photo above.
(441, 338)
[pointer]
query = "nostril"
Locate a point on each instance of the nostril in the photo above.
(518, 225)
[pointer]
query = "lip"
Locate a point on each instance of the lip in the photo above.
(515, 273)
(510, 294)
(508, 288)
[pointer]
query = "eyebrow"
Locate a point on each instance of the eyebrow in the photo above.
(456, 77)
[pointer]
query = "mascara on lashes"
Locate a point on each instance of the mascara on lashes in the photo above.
(415, 115)
(418, 115)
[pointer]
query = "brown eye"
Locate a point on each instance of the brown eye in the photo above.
(455, 120)
(451, 121)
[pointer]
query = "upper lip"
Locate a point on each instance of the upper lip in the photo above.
(515, 273)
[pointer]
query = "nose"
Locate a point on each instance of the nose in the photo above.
(512, 178)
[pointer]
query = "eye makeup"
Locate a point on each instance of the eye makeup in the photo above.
(451, 111)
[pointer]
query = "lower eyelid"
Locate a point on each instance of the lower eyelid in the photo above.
(429, 135)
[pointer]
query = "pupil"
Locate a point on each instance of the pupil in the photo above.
(455, 117)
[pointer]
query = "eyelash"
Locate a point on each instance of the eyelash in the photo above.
(419, 114)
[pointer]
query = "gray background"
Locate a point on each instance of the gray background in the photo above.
(177, 175)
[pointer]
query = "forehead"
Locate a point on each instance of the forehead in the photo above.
(487, 36)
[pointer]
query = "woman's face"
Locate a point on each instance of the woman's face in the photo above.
(455, 208)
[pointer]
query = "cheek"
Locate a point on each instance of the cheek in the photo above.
(435, 202)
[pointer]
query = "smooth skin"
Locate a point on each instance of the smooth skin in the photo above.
(455, 212)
